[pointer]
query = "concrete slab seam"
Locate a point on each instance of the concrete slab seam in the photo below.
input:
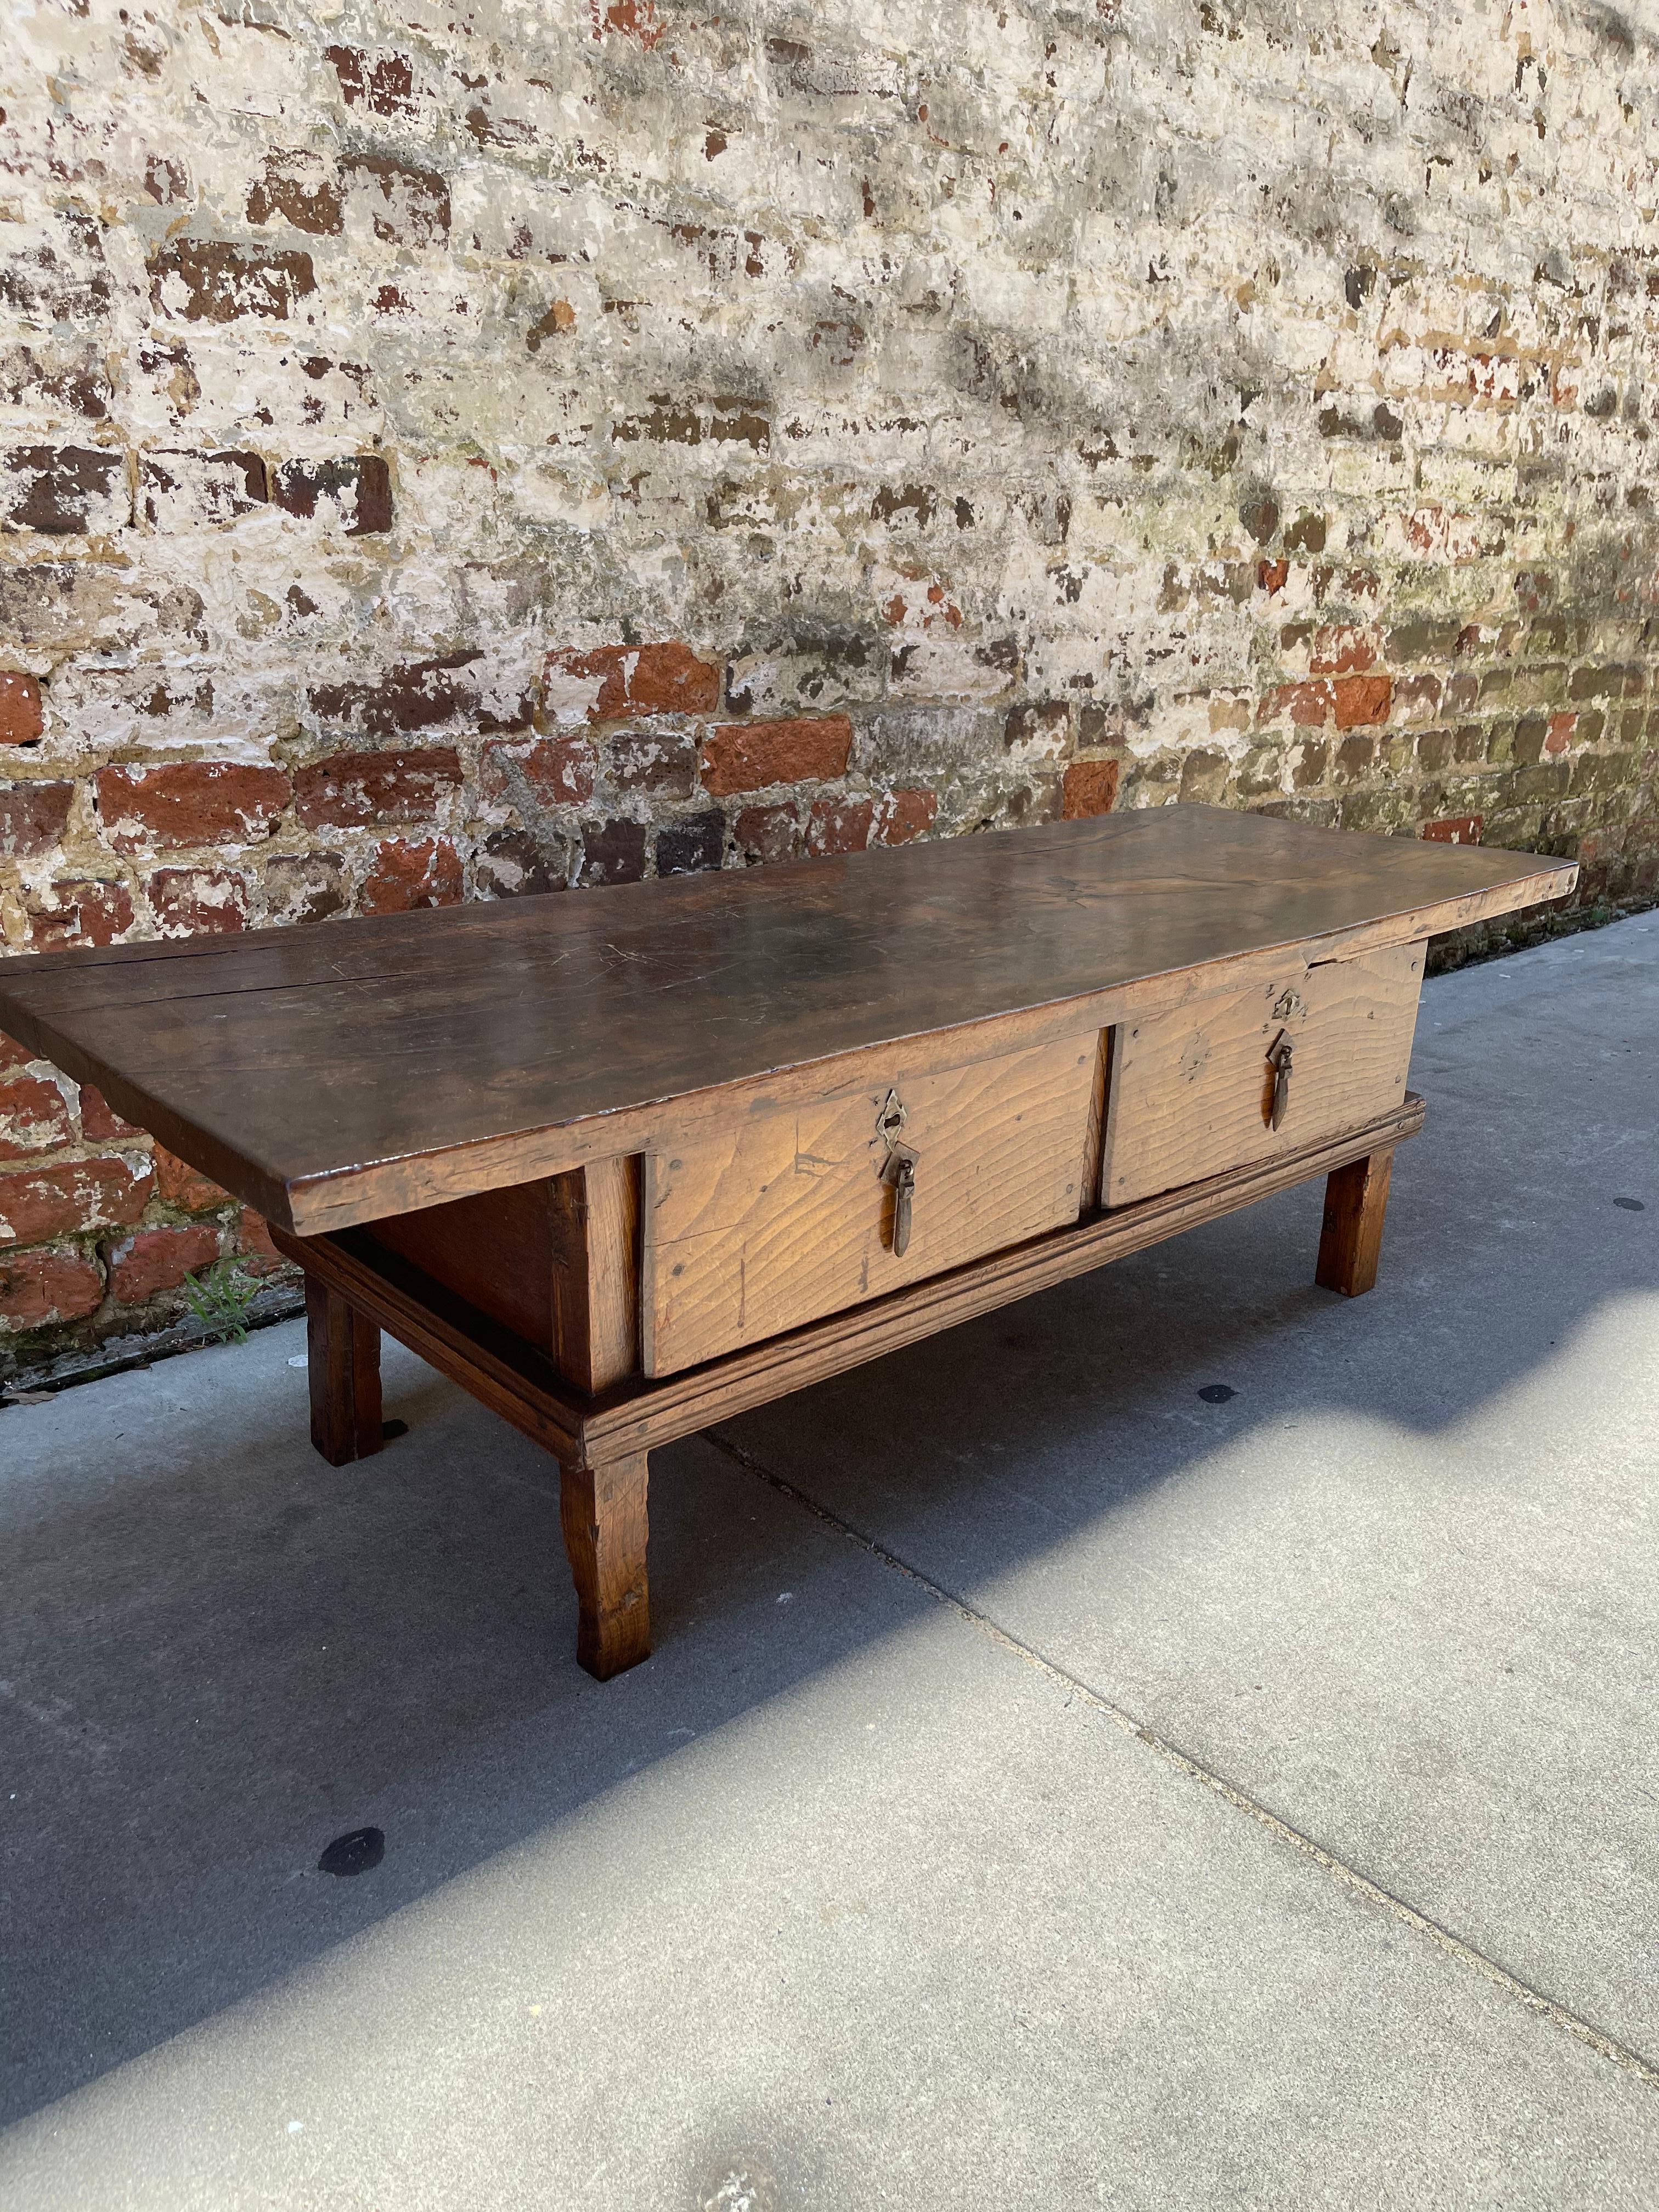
(1349, 1878)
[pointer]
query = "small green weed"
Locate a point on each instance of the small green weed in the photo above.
(220, 1299)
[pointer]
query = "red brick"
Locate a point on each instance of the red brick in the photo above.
(1306, 704)
(348, 789)
(1361, 699)
(198, 901)
(32, 1116)
(297, 187)
(191, 803)
(13, 1054)
(1340, 649)
(358, 486)
(32, 817)
(159, 1260)
(407, 206)
(768, 833)
(404, 876)
(746, 755)
(99, 1122)
(79, 915)
(211, 281)
(644, 679)
(72, 1198)
(1272, 576)
(260, 1256)
(903, 815)
(65, 491)
(1090, 788)
(182, 491)
(1562, 730)
(840, 825)
(554, 771)
(21, 719)
(384, 84)
(1455, 829)
(613, 853)
(36, 1287)
(418, 695)
(181, 1185)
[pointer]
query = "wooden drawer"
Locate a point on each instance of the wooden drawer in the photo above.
(774, 1218)
(1192, 1092)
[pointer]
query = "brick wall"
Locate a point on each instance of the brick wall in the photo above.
(447, 457)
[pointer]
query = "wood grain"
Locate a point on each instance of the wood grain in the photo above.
(342, 1371)
(522, 1386)
(1192, 1092)
(596, 1281)
(555, 1261)
(1351, 1234)
(768, 1222)
(602, 1509)
(344, 1071)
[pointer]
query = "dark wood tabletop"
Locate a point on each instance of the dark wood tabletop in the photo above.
(285, 1060)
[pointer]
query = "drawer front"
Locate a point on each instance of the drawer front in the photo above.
(780, 1218)
(1192, 1092)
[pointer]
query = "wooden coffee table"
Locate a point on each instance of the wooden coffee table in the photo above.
(626, 1162)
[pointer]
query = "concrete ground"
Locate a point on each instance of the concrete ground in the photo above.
(1056, 1784)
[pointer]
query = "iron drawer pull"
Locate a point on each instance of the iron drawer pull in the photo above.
(901, 1172)
(1279, 1059)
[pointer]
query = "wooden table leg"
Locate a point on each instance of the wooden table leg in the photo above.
(1356, 1200)
(602, 1509)
(343, 1368)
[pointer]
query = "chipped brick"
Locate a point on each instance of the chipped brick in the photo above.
(42, 1287)
(356, 491)
(663, 762)
(72, 1198)
(33, 815)
(32, 1116)
(198, 901)
(748, 755)
(297, 186)
(903, 815)
(420, 695)
(840, 825)
(21, 715)
(1089, 786)
(688, 846)
(770, 833)
(1361, 699)
(613, 853)
(382, 83)
(514, 863)
(183, 1186)
(78, 915)
(65, 490)
(144, 1265)
(406, 874)
(545, 771)
(99, 1122)
(349, 790)
(259, 1256)
(211, 281)
(611, 681)
(186, 491)
(190, 802)
(407, 206)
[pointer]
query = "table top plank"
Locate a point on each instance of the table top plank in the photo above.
(285, 1060)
